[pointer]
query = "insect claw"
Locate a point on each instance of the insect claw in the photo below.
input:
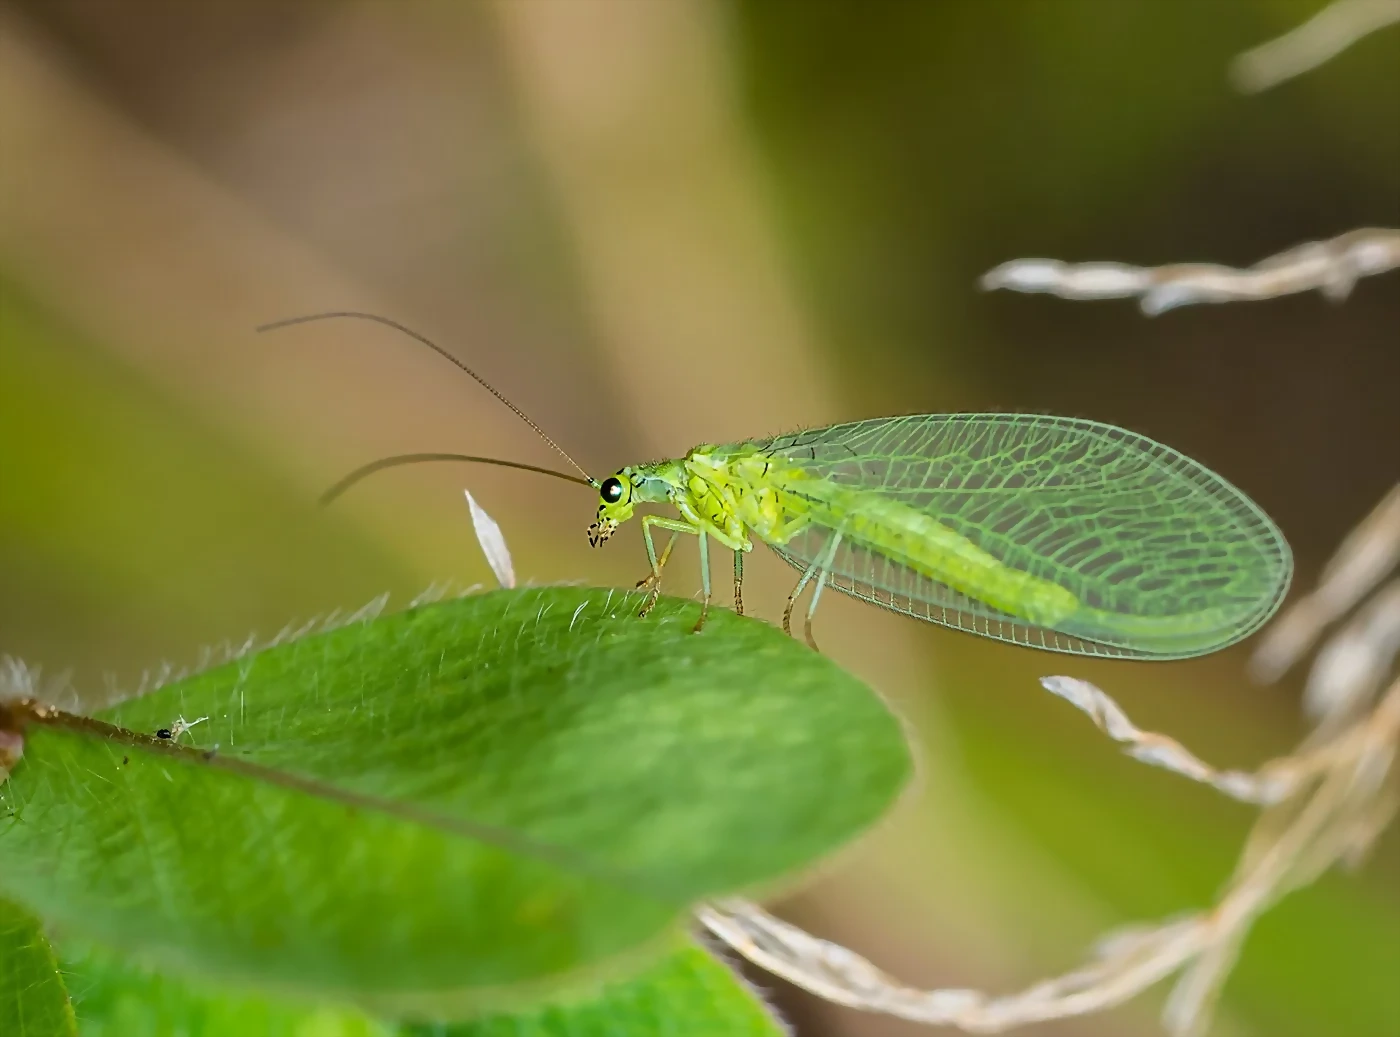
(652, 585)
(807, 633)
(653, 588)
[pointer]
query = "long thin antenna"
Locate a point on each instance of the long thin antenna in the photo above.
(275, 325)
(403, 459)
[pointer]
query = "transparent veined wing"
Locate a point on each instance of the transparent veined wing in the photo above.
(1088, 538)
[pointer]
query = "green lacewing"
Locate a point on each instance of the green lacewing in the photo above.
(1062, 534)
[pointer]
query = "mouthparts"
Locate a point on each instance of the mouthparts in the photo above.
(600, 531)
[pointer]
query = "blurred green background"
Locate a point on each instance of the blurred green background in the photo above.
(654, 224)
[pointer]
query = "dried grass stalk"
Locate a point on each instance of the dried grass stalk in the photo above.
(830, 971)
(1321, 38)
(1270, 784)
(1338, 798)
(1333, 267)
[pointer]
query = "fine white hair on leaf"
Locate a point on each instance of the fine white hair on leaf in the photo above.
(433, 592)
(368, 611)
(1332, 267)
(493, 542)
(60, 692)
(17, 679)
(1318, 40)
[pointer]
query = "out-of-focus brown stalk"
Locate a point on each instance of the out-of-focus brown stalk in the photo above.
(159, 259)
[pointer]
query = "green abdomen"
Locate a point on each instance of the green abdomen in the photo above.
(917, 541)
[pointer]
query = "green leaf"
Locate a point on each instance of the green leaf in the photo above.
(448, 807)
(33, 1001)
(115, 998)
(686, 994)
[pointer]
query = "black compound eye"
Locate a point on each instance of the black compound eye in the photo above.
(611, 490)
